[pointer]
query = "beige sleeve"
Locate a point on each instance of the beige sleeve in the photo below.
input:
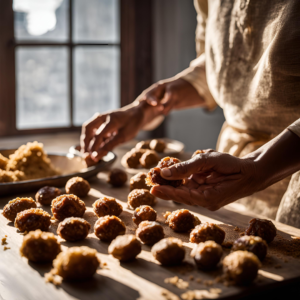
(195, 74)
(295, 127)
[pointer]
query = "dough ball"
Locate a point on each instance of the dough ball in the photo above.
(158, 145)
(149, 232)
(207, 232)
(144, 213)
(182, 220)
(149, 159)
(73, 229)
(66, 206)
(241, 267)
(117, 177)
(38, 246)
(263, 228)
(46, 194)
(108, 228)
(13, 207)
(169, 251)
(143, 145)
(140, 197)
(207, 255)
(125, 247)
(138, 181)
(32, 219)
(107, 206)
(77, 186)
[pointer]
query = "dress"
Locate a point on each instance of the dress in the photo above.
(249, 64)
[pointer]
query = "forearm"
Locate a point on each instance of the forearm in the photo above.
(277, 159)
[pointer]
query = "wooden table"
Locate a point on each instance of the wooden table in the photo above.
(142, 278)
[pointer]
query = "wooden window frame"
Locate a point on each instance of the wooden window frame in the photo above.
(136, 60)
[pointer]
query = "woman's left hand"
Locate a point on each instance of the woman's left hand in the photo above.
(211, 180)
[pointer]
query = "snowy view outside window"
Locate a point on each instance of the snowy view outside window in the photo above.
(42, 73)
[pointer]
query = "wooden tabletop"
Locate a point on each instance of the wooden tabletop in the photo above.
(143, 278)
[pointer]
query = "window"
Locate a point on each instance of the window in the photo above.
(63, 60)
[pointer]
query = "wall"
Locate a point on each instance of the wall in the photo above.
(174, 48)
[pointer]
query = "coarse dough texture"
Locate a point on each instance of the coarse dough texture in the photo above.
(77, 186)
(149, 232)
(117, 177)
(144, 213)
(149, 159)
(254, 244)
(32, 219)
(138, 181)
(169, 251)
(207, 255)
(154, 177)
(263, 228)
(125, 247)
(241, 267)
(140, 197)
(38, 246)
(76, 263)
(207, 232)
(66, 206)
(46, 194)
(181, 220)
(27, 163)
(107, 206)
(73, 229)
(108, 228)
(13, 207)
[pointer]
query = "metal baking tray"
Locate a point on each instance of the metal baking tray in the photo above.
(69, 164)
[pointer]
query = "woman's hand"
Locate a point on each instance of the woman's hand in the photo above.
(103, 132)
(212, 180)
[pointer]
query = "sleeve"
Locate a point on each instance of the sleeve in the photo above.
(195, 74)
(295, 127)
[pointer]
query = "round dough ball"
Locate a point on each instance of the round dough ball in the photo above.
(73, 229)
(149, 232)
(149, 159)
(157, 145)
(117, 177)
(169, 251)
(144, 213)
(13, 207)
(77, 186)
(38, 246)
(207, 255)
(241, 267)
(254, 244)
(263, 228)
(182, 220)
(143, 145)
(132, 158)
(138, 181)
(154, 177)
(66, 206)
(32, 219)
(46, 194)
(76, 263)
(140, 197)
(207, 232)
(108, 228)
(125, 247)
(107, 206)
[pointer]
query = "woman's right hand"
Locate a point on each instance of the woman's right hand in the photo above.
(105, 131)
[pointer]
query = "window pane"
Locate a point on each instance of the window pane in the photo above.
(41, 20)
(42, 87)
(96, 21)
(96, 81)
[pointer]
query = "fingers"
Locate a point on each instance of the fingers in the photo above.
(87, 132)
(154, 95)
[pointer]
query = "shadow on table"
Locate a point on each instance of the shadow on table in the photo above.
(97, 287)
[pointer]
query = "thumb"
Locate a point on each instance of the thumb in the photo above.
(184, 169)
